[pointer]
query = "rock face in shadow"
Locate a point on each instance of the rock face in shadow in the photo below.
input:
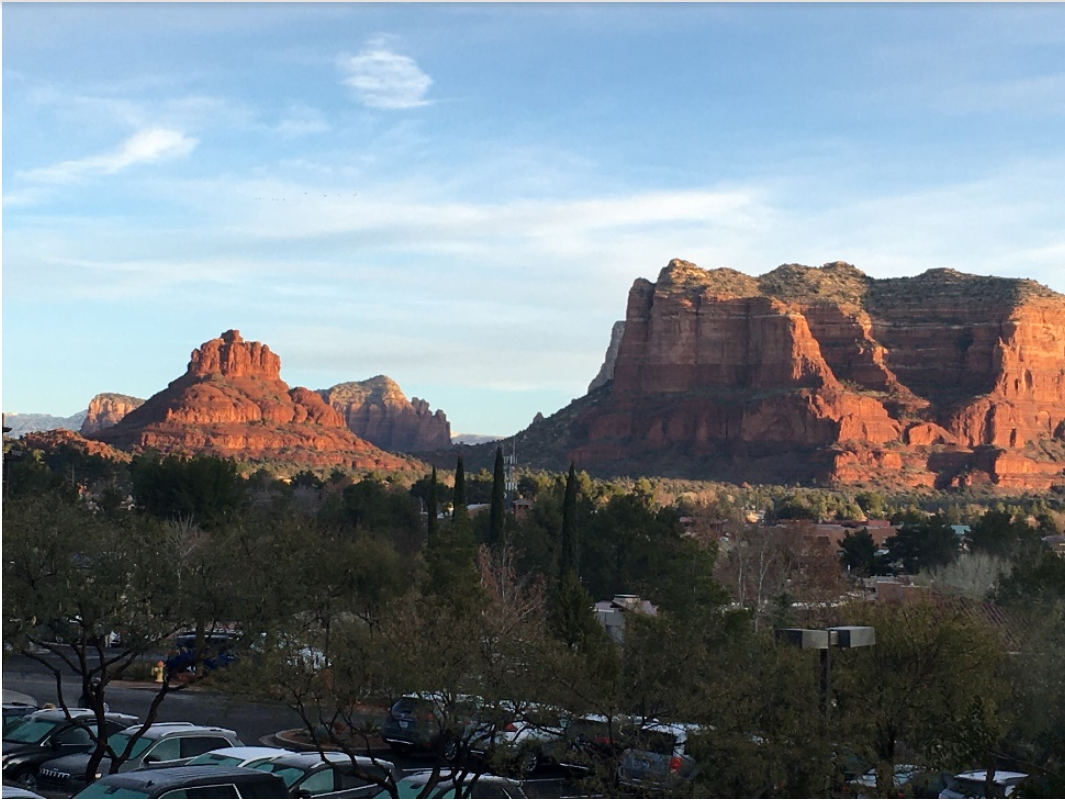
(826, 375)
(606, 372)
(232, 402)
(377, 410)
(106, 410)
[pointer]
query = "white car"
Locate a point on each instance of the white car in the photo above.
(971, 784)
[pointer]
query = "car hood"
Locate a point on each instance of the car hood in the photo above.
(18, 747)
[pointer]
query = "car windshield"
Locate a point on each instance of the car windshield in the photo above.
(99, 790)
(411, 705)
(119, 741)
(290, 775)
(30, 731)
(216, 760)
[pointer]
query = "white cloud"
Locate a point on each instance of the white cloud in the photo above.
(145, 147)
(381, 78)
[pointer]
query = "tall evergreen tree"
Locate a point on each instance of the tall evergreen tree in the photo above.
(433, 527)
(460, 493)
(569, 560)
(498, 510)
(452, 572)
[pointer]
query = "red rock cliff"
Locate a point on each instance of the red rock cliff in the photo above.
(826, 374)
(378, 411)
(106, 410)
(232, 402)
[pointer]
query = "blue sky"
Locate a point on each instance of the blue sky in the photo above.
(460, 196)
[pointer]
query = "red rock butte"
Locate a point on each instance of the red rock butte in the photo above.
(232, 402)
(824, 375)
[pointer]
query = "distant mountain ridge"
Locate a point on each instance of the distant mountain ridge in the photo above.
(21, 424)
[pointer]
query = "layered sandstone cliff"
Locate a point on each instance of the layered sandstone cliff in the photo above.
(232, 402)
(106, 410)
(825, 374)
(377, 410)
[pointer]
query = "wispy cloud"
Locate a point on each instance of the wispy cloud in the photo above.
(144, 147)
(381, 78)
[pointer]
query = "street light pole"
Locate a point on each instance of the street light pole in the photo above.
(842, 636)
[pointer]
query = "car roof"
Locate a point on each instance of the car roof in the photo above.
(79, 714)
(447, 777)
(160, 729)
(1000, 775)
(168, 776)
(312, 759)
(248, 751)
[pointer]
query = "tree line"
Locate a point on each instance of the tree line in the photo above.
(351, 593)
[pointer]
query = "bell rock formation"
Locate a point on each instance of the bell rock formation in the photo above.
(232, 402)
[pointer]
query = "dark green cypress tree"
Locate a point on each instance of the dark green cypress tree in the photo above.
(460, 493)
(498, 510)
(569, 560)
(433, 528)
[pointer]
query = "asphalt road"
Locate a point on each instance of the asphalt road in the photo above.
(254, 723)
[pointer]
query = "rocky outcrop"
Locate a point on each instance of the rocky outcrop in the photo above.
(377, 410)
(232, 402)
(58, 438)
(606, 372)
(826, 375)
(106, 410)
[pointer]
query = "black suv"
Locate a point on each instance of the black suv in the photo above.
(200, 781)
(44, 735)
(165, 744)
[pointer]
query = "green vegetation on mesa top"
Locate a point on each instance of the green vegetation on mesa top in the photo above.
(840, 283)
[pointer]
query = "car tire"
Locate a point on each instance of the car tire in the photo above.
(27, 779)
(450, 750)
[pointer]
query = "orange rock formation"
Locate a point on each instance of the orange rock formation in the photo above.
(106, 410)
(377, 410)
(232, 402)
(825, 374)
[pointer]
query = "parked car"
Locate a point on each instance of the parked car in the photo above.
(335, 775)
(514, 735)
(475, 786)
(219, 646)
(18, 793)
(973, 783)
(587, 741)
(165, 744)
(14, 711)
(911, 779)
(657, 756)
(428, 722)
(187, 781)
(44, 735)
(239, 756)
